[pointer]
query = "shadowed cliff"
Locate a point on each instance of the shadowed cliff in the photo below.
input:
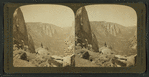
(84, 35)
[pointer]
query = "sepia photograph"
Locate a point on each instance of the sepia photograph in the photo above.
(74, 38)
(105, 36)
(99, 36)
(43, 36)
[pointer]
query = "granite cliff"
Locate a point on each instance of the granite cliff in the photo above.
(83, 34)
(21, 36)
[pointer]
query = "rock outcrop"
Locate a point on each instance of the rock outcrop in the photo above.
(69, 61)
(42, 51)
(20, 35)
(82, 53)
(112, 28)
(19, 27)
(83, 32)
(48, 30)
(125, 61)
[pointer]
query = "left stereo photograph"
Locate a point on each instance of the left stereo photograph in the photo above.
(43, 36)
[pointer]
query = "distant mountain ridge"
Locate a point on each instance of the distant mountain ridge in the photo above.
(112, 28)
(51, 36)
(113, 34)
(48, 29)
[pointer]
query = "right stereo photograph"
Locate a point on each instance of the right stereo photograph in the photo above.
(105, 36)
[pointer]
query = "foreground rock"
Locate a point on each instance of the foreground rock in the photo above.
(83, 32)
(83, 53)
(20, 59)
(99, 59)
(42, 51)
(20, 54)
(22, 63)
(125, 61)
(69, 61)
(80, 62)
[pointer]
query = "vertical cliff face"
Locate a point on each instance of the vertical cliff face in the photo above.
(48, 29)
(106, 27)
(83, 32)
(112, 29)
(20, 34)
(19, 28)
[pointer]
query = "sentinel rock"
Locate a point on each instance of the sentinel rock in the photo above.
(83, 32)
(21, 37)
(19, 27)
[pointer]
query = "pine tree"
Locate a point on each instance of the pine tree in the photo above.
(41, 45)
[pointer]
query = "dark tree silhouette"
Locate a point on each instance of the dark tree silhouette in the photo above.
(41, 45)
(105, 44)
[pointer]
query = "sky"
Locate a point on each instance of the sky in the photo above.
(120, 14)
(63, 16)
(58, 15)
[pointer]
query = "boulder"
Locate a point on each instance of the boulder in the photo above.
(23, 56)
(42, 51)
(125, 60)
(83, 32)
(57, 57)
(69, 61)
(45, 64)
(83, 53)
(20, 54)
(80, 62)
(55, 63)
